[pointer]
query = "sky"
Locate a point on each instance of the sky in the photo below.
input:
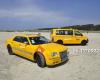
(30, 14)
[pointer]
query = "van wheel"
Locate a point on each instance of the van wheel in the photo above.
(60, 42)
(40, 60)
(9, 50)
(84, 42)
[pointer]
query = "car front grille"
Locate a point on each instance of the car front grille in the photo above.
(63, 55)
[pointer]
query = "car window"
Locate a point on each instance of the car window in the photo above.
(64, 32)
(21, 39)
(77, 33)
(39, 40)
(69, 32)
(24, 39)
(17, 39)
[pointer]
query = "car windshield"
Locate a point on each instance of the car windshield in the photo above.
(39, 40)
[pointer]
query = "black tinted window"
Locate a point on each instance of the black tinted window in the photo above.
(70, 32)
(39, 40)
(64, 32)
(20, 39)
(24, 39)
(17, 39)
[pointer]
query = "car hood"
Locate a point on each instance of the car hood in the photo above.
(53, 47)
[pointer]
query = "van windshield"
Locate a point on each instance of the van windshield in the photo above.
(77, 33)
(39, 40)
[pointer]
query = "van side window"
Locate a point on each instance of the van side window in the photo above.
(59, 32)
(64, 32)
(69, 32)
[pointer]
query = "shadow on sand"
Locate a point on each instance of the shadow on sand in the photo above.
(58, 64)
(46, 66)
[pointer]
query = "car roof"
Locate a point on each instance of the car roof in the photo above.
(28, 35)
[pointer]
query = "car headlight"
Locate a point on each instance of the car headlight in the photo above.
(53, 54)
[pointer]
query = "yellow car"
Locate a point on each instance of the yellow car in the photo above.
(37, 48)
(68, 36)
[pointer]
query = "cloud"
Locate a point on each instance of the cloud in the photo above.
(28, 14)
(33, 13)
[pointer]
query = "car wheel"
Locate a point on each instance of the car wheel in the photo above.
(60, 42)
(40, 60)
(84, 42)
(9, 50)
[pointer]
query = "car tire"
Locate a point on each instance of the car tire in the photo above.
(9, 50)
(84, 42)
(40, 60)
(60, 42)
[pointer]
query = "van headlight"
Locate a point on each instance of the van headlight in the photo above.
(53, 54)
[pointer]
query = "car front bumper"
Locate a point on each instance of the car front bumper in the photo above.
(58, 60)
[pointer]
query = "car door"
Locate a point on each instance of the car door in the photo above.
(78, 37)
(26, 49)
(21, 47)
(65, 35)
(16, 45)
(69, 38)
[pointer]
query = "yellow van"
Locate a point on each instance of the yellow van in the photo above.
(68, 36)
